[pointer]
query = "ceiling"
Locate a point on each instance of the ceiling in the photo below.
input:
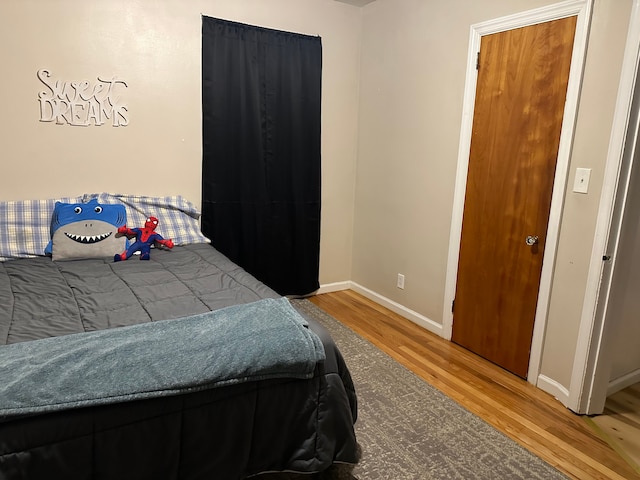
(357, 3)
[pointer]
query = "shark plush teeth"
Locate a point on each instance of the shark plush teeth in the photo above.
(85, 239)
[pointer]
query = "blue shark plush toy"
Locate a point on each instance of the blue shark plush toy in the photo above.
(85, 230)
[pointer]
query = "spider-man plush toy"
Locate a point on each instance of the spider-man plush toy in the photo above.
(145, 237)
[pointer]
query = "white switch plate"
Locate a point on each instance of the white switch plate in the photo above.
(581, 182)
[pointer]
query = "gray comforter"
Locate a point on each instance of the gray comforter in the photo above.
(245, 419)
(41, 298)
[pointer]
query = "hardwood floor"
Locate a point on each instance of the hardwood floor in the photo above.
(620, 422)
(525, 413)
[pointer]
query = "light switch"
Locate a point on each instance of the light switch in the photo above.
(581, 182)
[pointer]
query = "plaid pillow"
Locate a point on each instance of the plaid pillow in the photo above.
(25, 226)
(178, 218)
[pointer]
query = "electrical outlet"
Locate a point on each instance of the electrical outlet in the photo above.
(400, 283)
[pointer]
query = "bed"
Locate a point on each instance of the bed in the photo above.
(180, 367)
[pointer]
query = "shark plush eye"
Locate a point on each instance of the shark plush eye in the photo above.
(78, 210)
(98, 209)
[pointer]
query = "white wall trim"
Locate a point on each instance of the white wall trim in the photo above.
(334, 287)
(532, 17)
(554, 388)
(401, 310)
(585, 391)
(623, 382)
(581, 8)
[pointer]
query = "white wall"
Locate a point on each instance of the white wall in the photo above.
(600, 86)
(625, 292)
(155, 46)
(413, 73)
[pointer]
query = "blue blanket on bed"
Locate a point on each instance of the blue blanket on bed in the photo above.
(260, 340)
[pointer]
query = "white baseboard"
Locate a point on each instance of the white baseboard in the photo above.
(544, 383)
(401, 310)
(554, 388)
(334, 287)
(623, 382)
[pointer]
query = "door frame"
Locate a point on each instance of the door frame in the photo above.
(581, 8)
(590, 376)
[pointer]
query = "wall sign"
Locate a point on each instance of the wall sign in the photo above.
(82, 104)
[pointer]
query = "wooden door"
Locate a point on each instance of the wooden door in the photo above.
(520, 96)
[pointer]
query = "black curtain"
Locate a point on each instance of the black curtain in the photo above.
(261, 92)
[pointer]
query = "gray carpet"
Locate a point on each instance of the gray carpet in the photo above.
(409, 430)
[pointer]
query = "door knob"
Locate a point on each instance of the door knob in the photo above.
(531, 240)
